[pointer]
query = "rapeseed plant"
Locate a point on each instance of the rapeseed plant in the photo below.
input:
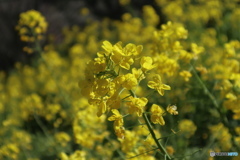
(142, 95)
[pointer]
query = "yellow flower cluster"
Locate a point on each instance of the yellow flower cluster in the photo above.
(107, 81)
(187, 127)
(44, 114)
(221, 134)
(31, 27)
(40, 114)
(186, 11)
(81, 155)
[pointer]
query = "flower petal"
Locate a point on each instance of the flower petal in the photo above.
(166, 87)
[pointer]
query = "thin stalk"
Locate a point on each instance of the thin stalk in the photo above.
(223, 119)
(159, 145)
(126, 97)
(40, 124)
(171, 135)
(132, 93)
(38, 49)
(209, 94)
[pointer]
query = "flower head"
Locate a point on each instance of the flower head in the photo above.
(117, 118)
(172, 109)
(136, 105)
(108, 48)
(157, 84)
(186, 75)
(138, 73)
(146, 64)
(156, 116)
(130, 81)
(120, 131)
(31, 25)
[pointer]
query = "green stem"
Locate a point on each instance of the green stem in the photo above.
(205, 89)
(38, 49)
(224, 119)
(132, 93)
(159, 145)
(40, 124)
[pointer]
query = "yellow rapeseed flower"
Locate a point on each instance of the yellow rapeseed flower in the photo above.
(117, 118)
(136, 105)
(157, 84)
(187, 127)
(108, 47)
(156, 116)
(138, 73)
(130, 81)
(186, 75)
(147, 64)
(31, 24)
(172, 109)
